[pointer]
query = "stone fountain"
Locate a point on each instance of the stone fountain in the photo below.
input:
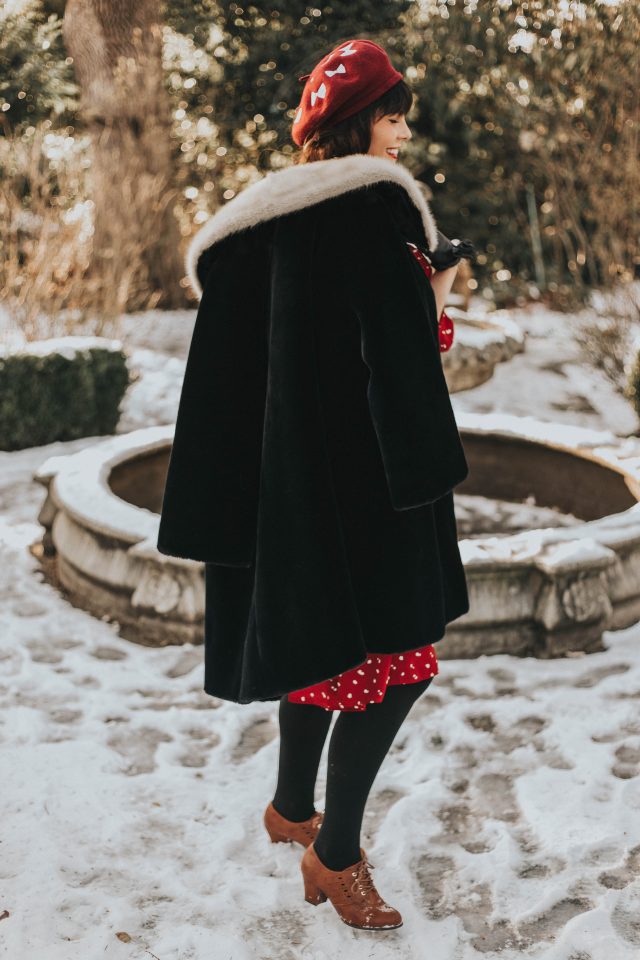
(537, 592)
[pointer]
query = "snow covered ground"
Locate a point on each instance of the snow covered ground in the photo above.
(505, 821)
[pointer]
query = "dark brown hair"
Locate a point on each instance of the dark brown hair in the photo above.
(353, 135)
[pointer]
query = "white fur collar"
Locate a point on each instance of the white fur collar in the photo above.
(301, 185)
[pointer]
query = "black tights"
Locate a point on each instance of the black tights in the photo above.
(358, 745)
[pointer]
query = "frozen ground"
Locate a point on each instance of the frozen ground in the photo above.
(505, 822)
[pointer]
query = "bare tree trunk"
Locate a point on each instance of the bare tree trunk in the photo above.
(116, 47)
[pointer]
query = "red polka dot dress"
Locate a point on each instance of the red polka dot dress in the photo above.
(355, 688)
(445, 324)
(366, 683)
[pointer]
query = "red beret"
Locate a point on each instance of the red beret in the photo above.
(346, 80)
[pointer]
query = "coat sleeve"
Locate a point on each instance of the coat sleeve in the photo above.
(209, 505)
(407, 392)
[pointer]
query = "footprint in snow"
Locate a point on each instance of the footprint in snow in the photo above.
(592, 677)
(627, 763)
(621, 877)
(254, 738)
(138, 748)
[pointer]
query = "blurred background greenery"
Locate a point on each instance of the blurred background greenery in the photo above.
(123, 126)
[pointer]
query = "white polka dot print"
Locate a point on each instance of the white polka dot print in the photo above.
(360, 685)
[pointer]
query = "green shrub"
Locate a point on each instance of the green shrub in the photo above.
(60, 390)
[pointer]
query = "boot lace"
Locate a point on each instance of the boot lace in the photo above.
(363, 882)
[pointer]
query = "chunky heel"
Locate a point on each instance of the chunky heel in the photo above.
(275, 836)
(281, 830)
(278, 839)
(313, 893)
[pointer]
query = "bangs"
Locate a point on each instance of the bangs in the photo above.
(396, 100)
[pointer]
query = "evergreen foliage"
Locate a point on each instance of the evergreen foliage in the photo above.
(36, 79)
(530, 114)
(58, 397)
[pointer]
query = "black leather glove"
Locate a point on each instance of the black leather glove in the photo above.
(449, 252)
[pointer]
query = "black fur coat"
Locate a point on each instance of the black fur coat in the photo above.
(315, 448)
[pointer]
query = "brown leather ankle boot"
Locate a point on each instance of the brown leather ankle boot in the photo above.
(351, 891)
(282, 830)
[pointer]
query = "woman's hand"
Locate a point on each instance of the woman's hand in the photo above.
(449, 252)
(441, 283)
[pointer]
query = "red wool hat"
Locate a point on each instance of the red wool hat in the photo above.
(346, 80)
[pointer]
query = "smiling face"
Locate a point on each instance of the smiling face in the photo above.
(388, 135)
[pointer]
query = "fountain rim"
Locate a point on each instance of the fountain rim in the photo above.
(78, 483)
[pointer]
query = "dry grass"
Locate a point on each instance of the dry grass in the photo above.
(51, 283)
(609, 337)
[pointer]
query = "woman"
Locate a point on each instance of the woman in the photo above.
(315, 456)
